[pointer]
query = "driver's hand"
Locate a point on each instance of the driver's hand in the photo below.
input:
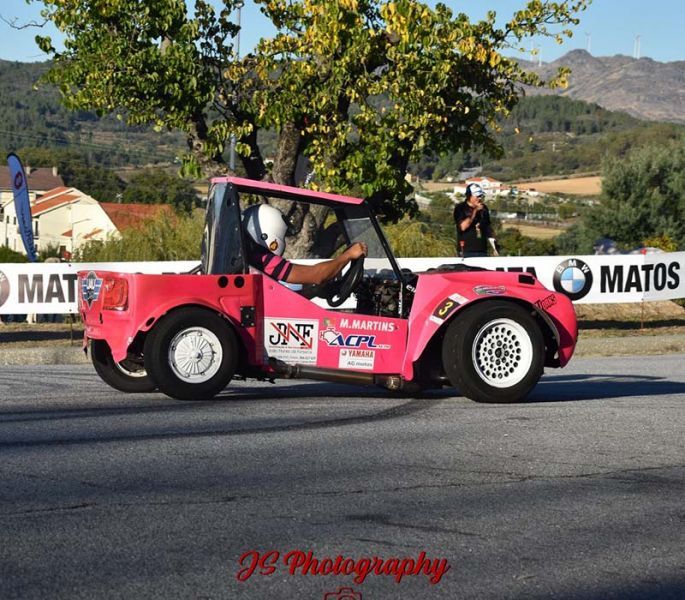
(356, 250)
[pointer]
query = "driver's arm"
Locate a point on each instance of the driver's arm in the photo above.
(326, 270)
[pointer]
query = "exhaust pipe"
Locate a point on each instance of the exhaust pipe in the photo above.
(391, 382)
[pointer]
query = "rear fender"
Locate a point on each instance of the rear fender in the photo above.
(228, 308)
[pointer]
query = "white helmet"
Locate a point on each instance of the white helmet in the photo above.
(267, 226)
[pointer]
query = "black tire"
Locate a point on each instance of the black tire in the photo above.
(191, 353)
(127, 376)
(494, 352)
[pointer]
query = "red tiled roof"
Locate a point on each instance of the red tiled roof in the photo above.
(38, 179)
(126, 216)
(92, 233)
(53, 201)
(67, 233)
(53, 192)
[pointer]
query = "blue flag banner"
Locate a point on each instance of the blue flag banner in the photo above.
(22, 205)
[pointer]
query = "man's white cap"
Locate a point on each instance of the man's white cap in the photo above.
(473, 189)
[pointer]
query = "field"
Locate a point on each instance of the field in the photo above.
(540, 232)
(574, 186)
(578, 186)
(437, 186)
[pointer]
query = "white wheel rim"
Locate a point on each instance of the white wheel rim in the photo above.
(502, 353)
(137, 373)
(195, 354)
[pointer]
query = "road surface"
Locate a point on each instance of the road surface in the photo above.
(578, 493)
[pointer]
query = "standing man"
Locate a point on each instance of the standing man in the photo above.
(472, 219)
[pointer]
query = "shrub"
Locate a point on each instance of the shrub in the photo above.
(167, 237)
(10, 256)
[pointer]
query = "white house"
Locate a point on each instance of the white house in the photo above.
(490, 186)
(63, 217)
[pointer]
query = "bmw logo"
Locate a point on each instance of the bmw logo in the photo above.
(4, 288)
(573, 277)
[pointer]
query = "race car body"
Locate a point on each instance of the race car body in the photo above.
(488, 333)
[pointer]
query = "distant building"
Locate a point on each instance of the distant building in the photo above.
(63, 217)
(39, 181)
(133, 216)
(490, 186)
(66, 218)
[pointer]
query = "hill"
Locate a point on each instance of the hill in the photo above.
(644, 88)
(545, 134)
(32, 115)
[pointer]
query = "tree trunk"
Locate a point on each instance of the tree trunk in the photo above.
(254, 163)
(209, 166)
(306, 220)
(289, 147)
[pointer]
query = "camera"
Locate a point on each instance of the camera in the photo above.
(343, 593)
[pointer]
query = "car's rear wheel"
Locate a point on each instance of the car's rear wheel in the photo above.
(494, 352)
(192, 354)
(128, 375)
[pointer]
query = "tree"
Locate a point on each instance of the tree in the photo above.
(514, 243)
(642, 197)
(102, 184)
(359, 87)
(154, 186)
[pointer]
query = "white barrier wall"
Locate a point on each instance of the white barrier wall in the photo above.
(52, 288)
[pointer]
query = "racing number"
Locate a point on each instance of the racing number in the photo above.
(445, 308)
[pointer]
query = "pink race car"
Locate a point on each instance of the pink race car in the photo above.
(487, 333)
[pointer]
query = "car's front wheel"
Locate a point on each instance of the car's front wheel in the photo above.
(127, 376)
(192, 354)
(494, 352)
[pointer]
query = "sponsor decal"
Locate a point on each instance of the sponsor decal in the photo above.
(336, 339)
(573, 277)
(546, 303)
(356, 359)
(41, 288)
(639, 278)
(291, 340)
(4, 288)
(490, 290)
(447, 307)
(22, 205)
(366, 325)
(90, 288)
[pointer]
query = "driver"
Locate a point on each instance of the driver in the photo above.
(267, 228)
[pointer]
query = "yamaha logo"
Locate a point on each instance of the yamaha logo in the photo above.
(4, 288)
(573, 277)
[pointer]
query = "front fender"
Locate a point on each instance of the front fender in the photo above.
(440, 298)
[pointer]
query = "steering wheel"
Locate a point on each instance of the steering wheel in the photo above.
(340, 289)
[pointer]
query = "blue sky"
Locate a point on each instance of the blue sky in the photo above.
(610, 27)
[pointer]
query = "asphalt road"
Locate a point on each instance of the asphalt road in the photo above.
(579, 493)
